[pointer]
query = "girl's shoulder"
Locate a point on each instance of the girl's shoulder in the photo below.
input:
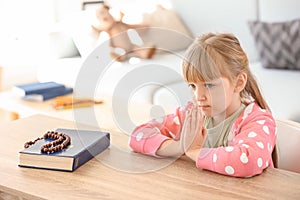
(253, 112)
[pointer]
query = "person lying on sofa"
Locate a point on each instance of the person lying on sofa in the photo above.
(229, 128)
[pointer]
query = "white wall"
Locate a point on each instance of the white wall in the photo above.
(63, 8)
(220, 16)
(22, 16)
(23, 27)
(279, 10)
(23, 24)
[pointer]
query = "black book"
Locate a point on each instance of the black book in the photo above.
(85, 144)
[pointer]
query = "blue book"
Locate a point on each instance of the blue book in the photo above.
(48, 95)
(37, 88)
(85, 144)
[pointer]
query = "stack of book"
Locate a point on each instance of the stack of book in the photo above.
(41, 91)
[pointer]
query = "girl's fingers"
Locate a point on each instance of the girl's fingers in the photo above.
(185, 128)
(192, 128)
(194, 100)
(191, 134)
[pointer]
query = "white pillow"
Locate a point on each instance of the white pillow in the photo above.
(166, 30)
(84, 36)
(61, 45)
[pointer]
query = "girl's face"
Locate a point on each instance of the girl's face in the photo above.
(216, 98)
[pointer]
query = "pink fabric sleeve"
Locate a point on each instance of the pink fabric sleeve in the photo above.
(148, 137)
(250, 151)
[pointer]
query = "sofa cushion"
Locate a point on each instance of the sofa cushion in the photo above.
(61, 45)
(137, 81)
(278, 43)
(79, 25)
(166, 30)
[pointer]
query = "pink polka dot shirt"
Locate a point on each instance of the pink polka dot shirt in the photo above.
(248, 151)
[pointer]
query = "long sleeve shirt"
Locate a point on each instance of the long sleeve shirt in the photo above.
(249, 148)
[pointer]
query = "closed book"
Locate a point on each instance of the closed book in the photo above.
(37, 88)
(48, 95)
(85, 144)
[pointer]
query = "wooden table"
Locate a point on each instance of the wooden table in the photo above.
(101, 179)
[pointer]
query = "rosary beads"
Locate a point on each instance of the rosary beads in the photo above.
(61, 141)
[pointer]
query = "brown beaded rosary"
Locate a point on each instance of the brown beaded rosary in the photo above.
(61, 141)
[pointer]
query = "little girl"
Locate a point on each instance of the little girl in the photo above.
(228, 128)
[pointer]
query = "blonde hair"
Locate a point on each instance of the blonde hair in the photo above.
(212, 56)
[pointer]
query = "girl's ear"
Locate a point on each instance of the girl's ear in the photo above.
(241, 81)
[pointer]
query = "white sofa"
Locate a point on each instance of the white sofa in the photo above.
(158, 81)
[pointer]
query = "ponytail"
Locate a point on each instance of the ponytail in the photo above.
(252, 89)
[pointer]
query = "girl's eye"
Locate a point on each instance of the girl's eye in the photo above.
(191, 85)
(209, 85)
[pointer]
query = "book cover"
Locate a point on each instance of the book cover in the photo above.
(85, 144)
(48, 95)
(37, 88)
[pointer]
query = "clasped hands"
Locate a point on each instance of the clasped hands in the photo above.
(193, 133)
(192, 136)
